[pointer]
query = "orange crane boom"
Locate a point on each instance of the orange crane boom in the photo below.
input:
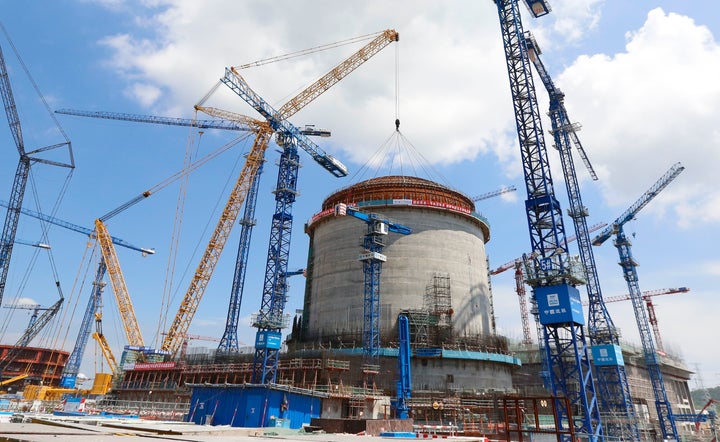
(181, 323)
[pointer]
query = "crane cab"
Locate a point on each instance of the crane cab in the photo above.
(538, 8)
(380, 228)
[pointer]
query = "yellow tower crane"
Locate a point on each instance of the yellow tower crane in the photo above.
(188, 307)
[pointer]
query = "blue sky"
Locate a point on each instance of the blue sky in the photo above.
(639, 76)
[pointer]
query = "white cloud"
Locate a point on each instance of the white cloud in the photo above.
(25, 302)
(452, 75)
(711, 268)
(574, 18)
(651, 106)
(567, 25)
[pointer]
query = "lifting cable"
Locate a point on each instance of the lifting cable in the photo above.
(396, 148)
(190, 151)
(77, 290)
(308, 51)
(63, 188)
(228, 183)
(176, 176)
(42, 97)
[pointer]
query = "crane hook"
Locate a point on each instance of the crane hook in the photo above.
(397, 124)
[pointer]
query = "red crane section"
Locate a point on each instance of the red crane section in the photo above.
(647, 297)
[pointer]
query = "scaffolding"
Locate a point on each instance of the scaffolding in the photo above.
(438, 302)
(420, 322)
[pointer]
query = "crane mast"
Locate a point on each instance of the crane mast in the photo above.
(17, 192)
(72, 367)
(271, 318)
(372, 259)
(647, 296)
(628, 264)
(522, 299)
(229, 341)
(551, 277)
(614, 390)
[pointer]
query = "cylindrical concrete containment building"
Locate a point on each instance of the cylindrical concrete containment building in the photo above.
(437, 275)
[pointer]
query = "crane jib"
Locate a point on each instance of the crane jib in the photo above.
(240, 87)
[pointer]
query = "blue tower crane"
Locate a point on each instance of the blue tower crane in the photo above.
(552, 275)
(612, 383)
(247, 125)
(80, 229)
(72, 367)
(236, 123)
(271, 318)
(229, 341)
(17, 192)
(628, 264)
(372, 258)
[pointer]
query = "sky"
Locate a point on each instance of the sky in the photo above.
(640, 77)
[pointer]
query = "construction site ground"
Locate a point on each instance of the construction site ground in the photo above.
(47, 428)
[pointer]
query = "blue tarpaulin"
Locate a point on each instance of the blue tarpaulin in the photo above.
(251, 406)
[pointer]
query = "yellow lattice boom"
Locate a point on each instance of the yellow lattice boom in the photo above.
(117, 280)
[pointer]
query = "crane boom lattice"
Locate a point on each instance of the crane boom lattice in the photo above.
(117, 280)
(551, 271)
(628, 265)
(181, 323)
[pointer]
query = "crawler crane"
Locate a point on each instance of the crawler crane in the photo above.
(72, 367)
(271, 318)
(225, 120)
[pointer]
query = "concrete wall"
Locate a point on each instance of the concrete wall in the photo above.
(441, 374)
(442, 242)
